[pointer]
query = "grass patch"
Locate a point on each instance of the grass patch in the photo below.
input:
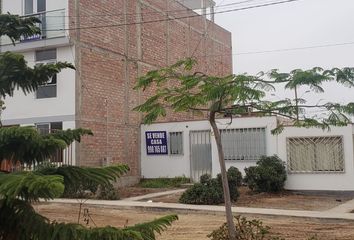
(163, 182)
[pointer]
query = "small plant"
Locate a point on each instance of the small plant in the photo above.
(107, 192)
(164, 182)
(245, 230)
(210, 192)
(268, 176)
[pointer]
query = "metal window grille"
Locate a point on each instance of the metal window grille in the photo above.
(176, 143)
(243, 144)
(315, 154)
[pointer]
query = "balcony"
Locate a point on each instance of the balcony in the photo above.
(52, 33)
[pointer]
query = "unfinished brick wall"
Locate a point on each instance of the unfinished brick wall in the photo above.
(110, 58)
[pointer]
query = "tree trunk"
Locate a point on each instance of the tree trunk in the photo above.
(225, 184)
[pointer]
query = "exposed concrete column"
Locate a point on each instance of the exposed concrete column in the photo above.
(78, 80)
(212, 13)
(138, 18)
(126, 82)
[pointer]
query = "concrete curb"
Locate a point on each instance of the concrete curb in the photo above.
(123, 204)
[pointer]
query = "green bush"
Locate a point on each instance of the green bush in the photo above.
(90, 189)
(107, 192)
(268, 176)
(163, 182)
(209, 191)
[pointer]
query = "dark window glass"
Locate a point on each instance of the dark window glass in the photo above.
(41, 6)
(49, 90)
(28, 7)
(54, 126)
(45, 55)
(43, 128)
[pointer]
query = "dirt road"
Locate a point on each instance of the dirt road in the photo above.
(195, 226)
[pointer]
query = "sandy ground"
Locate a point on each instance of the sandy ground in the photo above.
(197, 225)
(286, 200)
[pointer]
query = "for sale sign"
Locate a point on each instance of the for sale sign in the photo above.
(156, 143)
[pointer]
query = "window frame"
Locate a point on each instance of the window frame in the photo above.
(57, 157)
(53, 78)
(314, 170)
(177, 133)
(240, 157)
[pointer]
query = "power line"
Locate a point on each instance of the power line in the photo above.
(257, 52)
(295, 48)
(175, 18)
(151, 12)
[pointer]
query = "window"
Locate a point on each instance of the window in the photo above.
(46, 128)
(176, 143)
(243, 144)
(28, 7)
(46, 55)
(49, 90)
(315, 154)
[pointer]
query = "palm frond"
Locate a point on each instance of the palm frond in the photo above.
(75, 175)
(20, 216)
(15, 27)
(26, 145)
(15, 74)
(30, 186)
(149, 229)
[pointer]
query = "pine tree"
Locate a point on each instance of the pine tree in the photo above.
(24, 145)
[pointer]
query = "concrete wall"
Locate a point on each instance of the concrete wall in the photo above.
(321, 181)
(154, 166)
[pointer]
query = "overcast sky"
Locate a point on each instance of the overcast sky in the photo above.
(292, 25)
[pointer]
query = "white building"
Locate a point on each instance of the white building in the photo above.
(53, 105)
(315, 159)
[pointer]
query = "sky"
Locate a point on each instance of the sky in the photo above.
(292, 25)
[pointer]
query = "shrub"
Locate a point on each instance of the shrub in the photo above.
(268, 176)
(245, 230)
(209, 191)
(90, 189)
(107, 192)
(164, 182)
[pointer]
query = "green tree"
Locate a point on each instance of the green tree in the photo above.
(24, 145)
(235, 95)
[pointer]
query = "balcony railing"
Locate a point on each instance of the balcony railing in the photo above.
(52, 25)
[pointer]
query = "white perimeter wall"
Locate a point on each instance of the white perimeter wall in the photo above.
(154, 166)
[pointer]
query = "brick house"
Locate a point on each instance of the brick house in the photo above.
(111, 43)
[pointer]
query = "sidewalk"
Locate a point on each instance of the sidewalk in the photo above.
(337, 213)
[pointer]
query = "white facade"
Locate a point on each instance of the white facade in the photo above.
(30, 110)
(27, 109)
(154, 166)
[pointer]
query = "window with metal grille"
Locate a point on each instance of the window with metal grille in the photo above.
(176, 143)
(243, 144)
(48, 90)
(315, 154)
